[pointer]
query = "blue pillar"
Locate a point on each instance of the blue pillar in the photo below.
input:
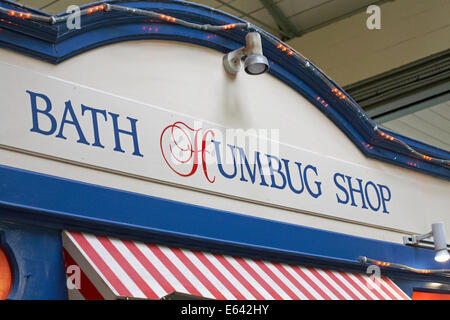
(36, 258)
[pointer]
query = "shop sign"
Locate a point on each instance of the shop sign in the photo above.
(53, 118)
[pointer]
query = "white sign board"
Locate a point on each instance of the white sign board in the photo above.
(63, 120)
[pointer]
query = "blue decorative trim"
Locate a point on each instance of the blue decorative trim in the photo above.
(56, 203)
(54, 43)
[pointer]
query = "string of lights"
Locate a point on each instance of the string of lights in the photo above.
(410, 149)
(366, 260)
(243, 26)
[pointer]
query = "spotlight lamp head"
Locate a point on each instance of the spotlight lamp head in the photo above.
(442, 256)
(440, 244)
(255, 62)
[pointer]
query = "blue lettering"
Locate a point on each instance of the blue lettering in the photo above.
(370, 183)
(318, 184)
(70, 118)
(94, 113)
(382, 193)
(273, 171)
(132, 133)
(343, 189)
(219, 160)
(288, 175)
(383, 197)
(360, 191)
(46, 112)
(251, 173)
(73, 122)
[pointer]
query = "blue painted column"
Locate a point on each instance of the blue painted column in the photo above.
(36, 257)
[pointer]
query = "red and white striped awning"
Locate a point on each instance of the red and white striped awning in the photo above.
(111, 268)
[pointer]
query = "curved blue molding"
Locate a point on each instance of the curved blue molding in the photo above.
(55, 43)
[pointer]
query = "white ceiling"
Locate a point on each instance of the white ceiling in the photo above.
(431, 125)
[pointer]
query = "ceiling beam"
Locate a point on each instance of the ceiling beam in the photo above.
(281, 19)
(406, 89)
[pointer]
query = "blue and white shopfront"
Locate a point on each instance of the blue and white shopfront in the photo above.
(133, 165)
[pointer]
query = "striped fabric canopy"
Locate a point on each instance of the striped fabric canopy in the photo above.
(112, 268)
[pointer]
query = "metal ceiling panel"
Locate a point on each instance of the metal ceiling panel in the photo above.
(319, 13)
(431, 125)
(37, 4)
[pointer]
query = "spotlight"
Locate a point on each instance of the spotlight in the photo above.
(255, 62)
(440, 244)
